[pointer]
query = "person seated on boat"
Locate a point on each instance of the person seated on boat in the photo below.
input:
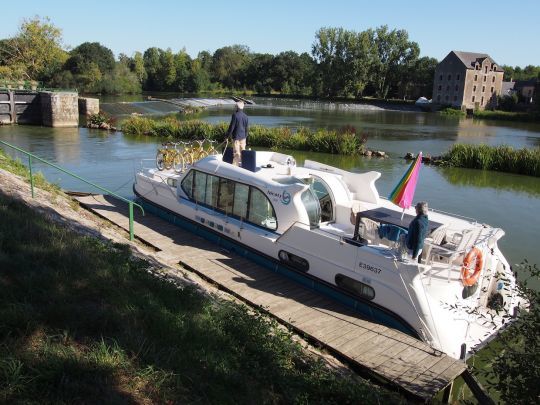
(418, 230)
(238, 130)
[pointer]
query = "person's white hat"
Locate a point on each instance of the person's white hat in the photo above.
(240, 105)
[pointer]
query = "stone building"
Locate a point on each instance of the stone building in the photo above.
(467, 80)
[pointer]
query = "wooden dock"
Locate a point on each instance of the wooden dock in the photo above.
(399, 360)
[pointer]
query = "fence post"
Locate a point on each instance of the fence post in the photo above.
(130, 221)
(31, 175)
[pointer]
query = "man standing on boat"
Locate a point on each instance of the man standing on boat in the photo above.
(238, 129)
(418, 230)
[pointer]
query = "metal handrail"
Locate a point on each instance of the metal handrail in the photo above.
(32, 156)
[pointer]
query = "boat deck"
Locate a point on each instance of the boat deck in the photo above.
(399, 360)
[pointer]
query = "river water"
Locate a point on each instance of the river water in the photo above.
(511, 202)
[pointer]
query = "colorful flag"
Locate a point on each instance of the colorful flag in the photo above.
(403, 194)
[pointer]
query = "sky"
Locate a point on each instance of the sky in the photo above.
(508, 32)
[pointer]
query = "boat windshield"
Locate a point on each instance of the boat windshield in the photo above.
(310, 197)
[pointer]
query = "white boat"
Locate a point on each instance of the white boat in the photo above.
(327, 228)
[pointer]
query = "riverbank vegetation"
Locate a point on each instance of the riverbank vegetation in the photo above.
(345, 141)
(82, 320)
(499, 158)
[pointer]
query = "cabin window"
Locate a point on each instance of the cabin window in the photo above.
(199, 186)
(322, 194)
(355, 287)
(226, 195)
(187, 184)
(241, 194)
(212, 184)
(261, 211)
(311, 203)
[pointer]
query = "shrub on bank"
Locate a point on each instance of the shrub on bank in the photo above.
(453, 112)
(501, 158)
(506, 115)
(345, 142)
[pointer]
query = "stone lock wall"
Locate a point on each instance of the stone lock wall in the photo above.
(88, 106)
(60, 109)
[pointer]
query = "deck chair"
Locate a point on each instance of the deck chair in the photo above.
(434, 239)
(450, 253)
(370, 230)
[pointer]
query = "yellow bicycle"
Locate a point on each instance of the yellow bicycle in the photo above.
(169, 156)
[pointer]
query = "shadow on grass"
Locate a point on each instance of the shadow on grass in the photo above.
(82, 321)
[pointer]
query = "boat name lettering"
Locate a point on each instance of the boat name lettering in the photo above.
(365, 266)
(284, 198)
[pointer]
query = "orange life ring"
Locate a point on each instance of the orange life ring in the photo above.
(468, 277)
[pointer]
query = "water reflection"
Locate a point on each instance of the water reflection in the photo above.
(486, 179)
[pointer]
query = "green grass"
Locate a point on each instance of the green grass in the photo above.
(82, 321)
(507, 116)
(16, 167)
(345, 142)
(452, 112)
(499, 158)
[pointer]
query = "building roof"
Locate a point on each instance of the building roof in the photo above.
(469, 59)
(507, 87)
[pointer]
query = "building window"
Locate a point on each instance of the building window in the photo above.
(474, 88)
(482, 101)
(486, 69)
(475, 77)
(472, 99)
(449, 77)
(440, 77)
(457, 77)
(492, 89)
(440, 87)
(485, 78)
(493, 80)
(483, 89)
(355, 287)
(457, 87)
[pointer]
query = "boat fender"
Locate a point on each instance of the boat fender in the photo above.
(469, 277)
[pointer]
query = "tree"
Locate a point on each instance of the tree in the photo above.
(228, 65)
(137, 67)
(393, 52)
(36, 52)
(182, 64)
(151, 66)
(90, 53)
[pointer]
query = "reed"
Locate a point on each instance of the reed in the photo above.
(501, 158)
(344, 142)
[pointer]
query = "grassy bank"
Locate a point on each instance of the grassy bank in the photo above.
(499, 158)
(345, 142)
(82, 321)
(507, 116)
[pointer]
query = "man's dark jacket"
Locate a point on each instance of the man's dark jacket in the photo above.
(418, 230)
(238, 127)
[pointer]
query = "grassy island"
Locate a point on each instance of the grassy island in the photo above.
(498, 158)
(345, 141)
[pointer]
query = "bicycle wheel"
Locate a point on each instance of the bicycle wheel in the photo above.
(178, 163)
(160, 159)
(200, 154)
(168, 162)
(188, 158)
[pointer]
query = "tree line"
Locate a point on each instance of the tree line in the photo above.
(380, 62)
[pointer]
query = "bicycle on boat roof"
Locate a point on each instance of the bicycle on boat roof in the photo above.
(167, 157)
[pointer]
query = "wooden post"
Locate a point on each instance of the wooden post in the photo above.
(447, 393)
(477, 389)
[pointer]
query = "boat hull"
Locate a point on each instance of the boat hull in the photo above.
(366, 309)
